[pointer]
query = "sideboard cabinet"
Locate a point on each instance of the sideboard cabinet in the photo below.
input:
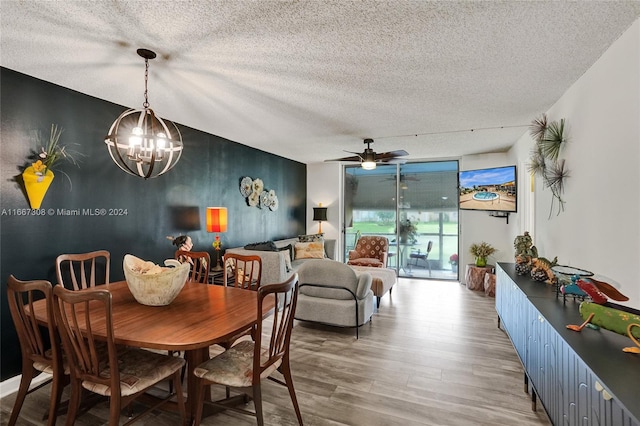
(580, 378)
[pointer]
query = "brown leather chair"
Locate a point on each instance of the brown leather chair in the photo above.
(247, 363)
(371, 250)
(200, 264)
(35, 356)
(120, 373)
(79, 271)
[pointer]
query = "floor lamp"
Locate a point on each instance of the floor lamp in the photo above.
(217, 222)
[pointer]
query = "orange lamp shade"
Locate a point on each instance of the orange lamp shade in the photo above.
(216, 219)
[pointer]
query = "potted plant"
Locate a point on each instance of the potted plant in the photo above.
(481, 252)
(453, 260)
(408, 231)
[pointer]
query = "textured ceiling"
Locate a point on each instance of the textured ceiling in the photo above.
(309, 79)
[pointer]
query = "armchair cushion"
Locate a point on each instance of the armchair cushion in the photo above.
(370, 250)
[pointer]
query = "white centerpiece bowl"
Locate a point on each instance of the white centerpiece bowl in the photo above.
(153, 285)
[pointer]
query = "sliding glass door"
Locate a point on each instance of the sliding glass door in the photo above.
(415, 205)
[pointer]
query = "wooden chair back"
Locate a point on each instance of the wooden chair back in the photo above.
(242, 271)
(76, 323)
(83, 270)
(200, 264)
(35, 353)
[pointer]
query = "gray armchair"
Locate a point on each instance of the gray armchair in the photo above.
(331, 293)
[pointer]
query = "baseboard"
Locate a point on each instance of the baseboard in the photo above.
(11, 385)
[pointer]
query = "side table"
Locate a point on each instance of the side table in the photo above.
(474, 276)
(217, 277)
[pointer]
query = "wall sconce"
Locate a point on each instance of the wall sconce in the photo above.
(217, 222)
(141, 143)
(320, 215)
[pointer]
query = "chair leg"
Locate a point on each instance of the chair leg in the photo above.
(25, 381)
(177, 382)
(74, 402)
(199, 402)
(56, 395)
(288, 379)
(257, 402)
(114, 410)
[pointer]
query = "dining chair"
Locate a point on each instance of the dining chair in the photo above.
(242, 271)
(35, 355)
(417, 255)
(248, 362)
(200, 264)
(80, 270)
(118, 372)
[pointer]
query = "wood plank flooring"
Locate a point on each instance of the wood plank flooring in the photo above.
(433, 355)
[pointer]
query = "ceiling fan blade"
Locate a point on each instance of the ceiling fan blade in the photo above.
(354, 158)
(391, 154)
(392, 160)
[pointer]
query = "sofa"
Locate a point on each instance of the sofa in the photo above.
(332, 293)
(278, 266)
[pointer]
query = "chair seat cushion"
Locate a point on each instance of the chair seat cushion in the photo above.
(139, 369)
(233, 367)
(47, 367)
(366, 261)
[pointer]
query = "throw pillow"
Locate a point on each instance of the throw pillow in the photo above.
(288, 255)
(290, 249)
(263, 246)
(313, 250)
(311, 238)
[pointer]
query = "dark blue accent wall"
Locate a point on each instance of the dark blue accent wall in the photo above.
(144, 212)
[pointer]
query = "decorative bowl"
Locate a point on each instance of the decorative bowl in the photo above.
(153, 285)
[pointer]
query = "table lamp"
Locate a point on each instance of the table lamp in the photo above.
(217, 222)
(320, 215)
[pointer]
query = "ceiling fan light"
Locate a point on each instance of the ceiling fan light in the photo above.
(368, 165)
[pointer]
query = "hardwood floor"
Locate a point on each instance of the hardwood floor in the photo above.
(433, 355)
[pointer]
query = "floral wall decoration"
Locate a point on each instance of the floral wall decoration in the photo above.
(257, 195)
(545, 158)
(38, 176)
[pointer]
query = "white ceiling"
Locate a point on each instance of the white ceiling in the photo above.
(309, 79)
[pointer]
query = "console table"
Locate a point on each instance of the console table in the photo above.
(580, 378)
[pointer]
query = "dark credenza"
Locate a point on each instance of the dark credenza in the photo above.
(580, 378)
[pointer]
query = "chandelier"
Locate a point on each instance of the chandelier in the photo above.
(141, 143)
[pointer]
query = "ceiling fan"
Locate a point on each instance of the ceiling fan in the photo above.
(369, 157)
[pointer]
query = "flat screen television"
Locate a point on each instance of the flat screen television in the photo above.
(492, 189)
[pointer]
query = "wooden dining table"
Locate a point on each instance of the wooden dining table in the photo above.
(200, 316)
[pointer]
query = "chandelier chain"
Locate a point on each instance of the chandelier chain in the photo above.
(146, 79)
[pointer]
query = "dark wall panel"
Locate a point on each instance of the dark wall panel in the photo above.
(144, 212)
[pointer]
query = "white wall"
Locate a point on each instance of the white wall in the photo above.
(600, 227)
(324, 185)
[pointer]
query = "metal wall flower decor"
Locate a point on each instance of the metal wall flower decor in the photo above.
(257, 195)
(544, 161)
